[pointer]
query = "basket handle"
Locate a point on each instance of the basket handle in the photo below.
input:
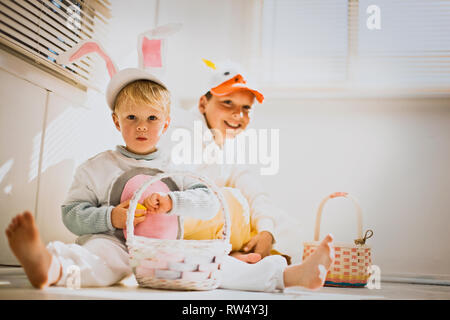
(335, 195)
(138, 193)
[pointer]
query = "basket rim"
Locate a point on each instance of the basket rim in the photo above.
(338, 244)
(178, 284)
(146, 239)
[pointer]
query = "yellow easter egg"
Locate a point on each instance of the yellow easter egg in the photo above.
(139, 206)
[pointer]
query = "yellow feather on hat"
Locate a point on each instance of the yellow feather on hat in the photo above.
(209, 64)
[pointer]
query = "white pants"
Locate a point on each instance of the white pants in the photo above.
(103, 261)
(265, 275)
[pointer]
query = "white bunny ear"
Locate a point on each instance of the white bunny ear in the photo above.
(152, 46)
(164, 31)
(84, 48)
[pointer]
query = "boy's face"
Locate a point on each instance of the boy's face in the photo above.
(229, 114)
(141, 126)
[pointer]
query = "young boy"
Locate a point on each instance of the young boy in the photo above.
(141, 115)
(140, 106)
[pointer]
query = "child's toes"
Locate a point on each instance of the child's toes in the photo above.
(14, 223)
(253, 257)
(328, 238)
(27, 216)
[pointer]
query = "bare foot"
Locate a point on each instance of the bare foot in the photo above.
(246, 257)
(27, 246)
(312, 272)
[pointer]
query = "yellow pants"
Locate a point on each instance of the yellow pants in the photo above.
(241, 231)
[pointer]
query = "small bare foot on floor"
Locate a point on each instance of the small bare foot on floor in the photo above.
(246, 257)
(312, 272)
(27, 246)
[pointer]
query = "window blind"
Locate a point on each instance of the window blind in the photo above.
(306, 41)
(43, 29)
(332, 44)
(410, 49)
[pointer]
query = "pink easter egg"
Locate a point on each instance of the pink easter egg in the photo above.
(195, 276)
(154, 264)
(158, 226)
(145, 272)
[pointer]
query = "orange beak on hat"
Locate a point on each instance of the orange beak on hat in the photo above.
(234, 84)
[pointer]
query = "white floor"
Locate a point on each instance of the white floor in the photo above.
(14, 285)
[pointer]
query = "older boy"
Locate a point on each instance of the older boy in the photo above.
(226, 110)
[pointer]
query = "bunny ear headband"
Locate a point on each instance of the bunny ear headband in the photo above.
(152, 47)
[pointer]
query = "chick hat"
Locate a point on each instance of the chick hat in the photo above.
(152, 47)
(228, 78)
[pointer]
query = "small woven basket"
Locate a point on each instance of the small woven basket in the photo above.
(352, 261)
(176, 263)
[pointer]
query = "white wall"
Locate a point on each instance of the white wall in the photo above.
(48, 129)
(212, 29)
(19, 156)
(392, 155)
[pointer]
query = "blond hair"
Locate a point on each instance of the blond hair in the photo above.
(146, 92)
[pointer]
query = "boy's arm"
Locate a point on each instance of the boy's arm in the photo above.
(264, 215)
(196, 201)
(81, 212)
(85, 218)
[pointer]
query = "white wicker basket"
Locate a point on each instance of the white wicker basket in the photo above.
(177, 264)
(352, 262)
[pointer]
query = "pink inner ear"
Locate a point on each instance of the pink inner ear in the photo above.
(90, 47)
(151, 52)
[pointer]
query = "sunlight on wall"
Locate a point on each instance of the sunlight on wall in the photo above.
(5, 168)
(34, 161)
(8, 189)
(63, 136)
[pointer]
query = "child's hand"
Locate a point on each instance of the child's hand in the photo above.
(261, 243)
(119, 215)
(158, 203)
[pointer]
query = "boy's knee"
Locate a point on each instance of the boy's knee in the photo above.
(277, 261)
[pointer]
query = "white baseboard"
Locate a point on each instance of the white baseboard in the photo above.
(430, 279)
(10, 269)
